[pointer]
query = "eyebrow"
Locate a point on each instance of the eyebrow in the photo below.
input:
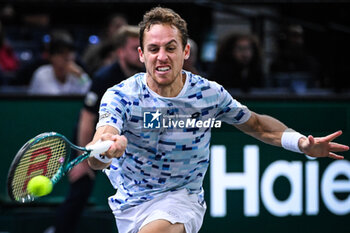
(155, 45)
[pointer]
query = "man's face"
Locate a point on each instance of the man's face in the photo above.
(163, 54)
(130, 53)
(243, 51)
(61, 61)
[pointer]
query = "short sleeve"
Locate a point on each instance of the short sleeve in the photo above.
(114, 108)
(230, 110)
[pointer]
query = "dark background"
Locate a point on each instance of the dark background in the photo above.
(326, 24)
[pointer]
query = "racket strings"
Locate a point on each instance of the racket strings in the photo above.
(42, 158)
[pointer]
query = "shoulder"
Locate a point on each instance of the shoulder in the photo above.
(199, 83)
(130, 87)
(44, 69)
(44, 72)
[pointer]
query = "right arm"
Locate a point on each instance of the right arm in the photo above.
(116, 150)
(109, 127)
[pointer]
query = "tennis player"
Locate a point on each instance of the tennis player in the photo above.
(157, 170)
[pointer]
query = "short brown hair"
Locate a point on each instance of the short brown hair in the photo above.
(160, 15)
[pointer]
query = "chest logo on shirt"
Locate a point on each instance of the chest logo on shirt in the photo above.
(151, 120)
(171, 120)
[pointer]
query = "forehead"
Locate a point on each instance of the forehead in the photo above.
(243, 41)
(160, 34)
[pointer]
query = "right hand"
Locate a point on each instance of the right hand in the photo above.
(118, 147)
(75, 69)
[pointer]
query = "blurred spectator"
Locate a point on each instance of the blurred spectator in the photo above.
(82, 177)
(191, 63)
(238, 62)
(40, 20)
(25, 73)
(294, 67)
(7, 13)
(8, 60)
(115, 23)
(62, 76)
(100, 54)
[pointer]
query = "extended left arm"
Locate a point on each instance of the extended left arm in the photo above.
(270, 130)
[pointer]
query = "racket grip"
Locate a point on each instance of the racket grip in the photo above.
(99, 147)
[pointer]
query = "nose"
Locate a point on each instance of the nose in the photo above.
(162, 55)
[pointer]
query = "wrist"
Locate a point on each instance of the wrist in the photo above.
(291, 140)
(102, 158)
(95, 164)
(300, 143)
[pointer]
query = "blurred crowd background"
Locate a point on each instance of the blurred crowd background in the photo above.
(261, 48)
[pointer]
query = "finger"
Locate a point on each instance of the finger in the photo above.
(335, 156)
(117, 148)
(311, 140)
(123, 139)
(336, 147)
(333, 136)
(111, 150)
(120, 145)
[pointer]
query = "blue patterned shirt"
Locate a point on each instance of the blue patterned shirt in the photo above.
(164, 157)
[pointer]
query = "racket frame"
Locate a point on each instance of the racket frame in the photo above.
(65, 167)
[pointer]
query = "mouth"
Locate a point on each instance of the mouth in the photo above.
(163, 69)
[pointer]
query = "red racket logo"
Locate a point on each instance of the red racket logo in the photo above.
(42, 165)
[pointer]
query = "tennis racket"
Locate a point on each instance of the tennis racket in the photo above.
(47, 154)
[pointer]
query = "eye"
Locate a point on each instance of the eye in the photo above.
(153, 49)
(171, 48)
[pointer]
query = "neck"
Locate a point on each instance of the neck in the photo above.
(171, 90)
(60, 77)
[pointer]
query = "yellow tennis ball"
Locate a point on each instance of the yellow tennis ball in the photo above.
(39, 186)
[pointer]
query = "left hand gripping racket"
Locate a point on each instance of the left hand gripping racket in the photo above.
(47, 154)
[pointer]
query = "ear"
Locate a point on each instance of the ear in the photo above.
(187, 51)
(142, 59)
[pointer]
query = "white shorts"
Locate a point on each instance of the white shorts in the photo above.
(175, 207)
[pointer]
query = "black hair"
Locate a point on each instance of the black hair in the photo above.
(60, 42)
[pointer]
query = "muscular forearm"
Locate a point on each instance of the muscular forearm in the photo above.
(93, 162)
(270, 130)
(116, 150)
(264, 128)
